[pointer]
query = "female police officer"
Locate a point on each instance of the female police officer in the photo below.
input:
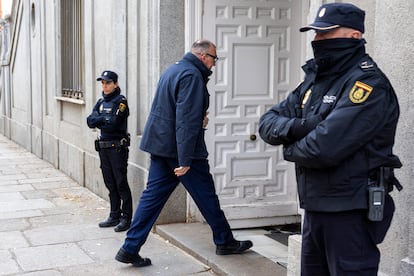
(110, 115)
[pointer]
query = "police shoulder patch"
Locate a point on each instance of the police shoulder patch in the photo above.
(122, 107)
(359, 92)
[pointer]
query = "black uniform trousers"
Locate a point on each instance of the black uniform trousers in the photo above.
(161, 183)
(114, 170)
(343, 243)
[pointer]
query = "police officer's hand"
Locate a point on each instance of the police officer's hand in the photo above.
(180, 171)
(301, 127)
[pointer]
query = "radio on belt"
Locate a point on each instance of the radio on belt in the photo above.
(376, 197)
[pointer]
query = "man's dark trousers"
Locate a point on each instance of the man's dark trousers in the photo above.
(161, 183)
(343, 243)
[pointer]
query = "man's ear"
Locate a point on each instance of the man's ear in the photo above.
(356, 34)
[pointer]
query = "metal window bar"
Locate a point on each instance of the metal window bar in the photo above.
(71, 39)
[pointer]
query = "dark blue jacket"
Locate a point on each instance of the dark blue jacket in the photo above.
(174, 127)
(110, 115)
(354, 135)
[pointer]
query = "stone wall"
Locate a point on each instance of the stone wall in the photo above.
(133, 38)
(393, 52)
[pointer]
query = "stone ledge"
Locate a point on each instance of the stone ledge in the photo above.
(294, 248)
(407, 267)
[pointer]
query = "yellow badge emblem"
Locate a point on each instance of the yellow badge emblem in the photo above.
(122, 107)
(306, 98)
(359, 92)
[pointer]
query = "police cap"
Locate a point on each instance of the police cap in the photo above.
(334, 15)
(108, 76)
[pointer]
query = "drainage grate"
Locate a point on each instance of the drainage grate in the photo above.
(281, 233)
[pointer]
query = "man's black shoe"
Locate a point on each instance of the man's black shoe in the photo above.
(109, 222)
(235, 247)
(123, 225)
(136, 260)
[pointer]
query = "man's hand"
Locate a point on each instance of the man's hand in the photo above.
(180, 171)
(205, 120)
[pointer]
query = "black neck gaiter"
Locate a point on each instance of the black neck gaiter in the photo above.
(115, 92)
(336, 55)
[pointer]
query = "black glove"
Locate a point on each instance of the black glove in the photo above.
(301, 127)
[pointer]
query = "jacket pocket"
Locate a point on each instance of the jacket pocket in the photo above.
(356, 263)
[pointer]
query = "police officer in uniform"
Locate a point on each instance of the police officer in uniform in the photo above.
(338, 126)
(110, 115)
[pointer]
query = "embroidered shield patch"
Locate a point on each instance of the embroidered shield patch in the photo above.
(122, 107)
(359, 92)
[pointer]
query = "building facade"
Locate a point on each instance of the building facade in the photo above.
(52, 52)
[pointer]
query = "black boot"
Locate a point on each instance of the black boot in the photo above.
(123, 225)
(109, 222)
(234, 247)
(136, 260)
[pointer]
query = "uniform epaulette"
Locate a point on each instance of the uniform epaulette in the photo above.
(367, 65)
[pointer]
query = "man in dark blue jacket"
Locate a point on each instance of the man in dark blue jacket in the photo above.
(338, 126)
(174, 136)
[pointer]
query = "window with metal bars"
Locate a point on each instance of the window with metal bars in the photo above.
(71, 49)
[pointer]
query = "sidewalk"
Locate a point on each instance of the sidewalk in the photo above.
(49, 226)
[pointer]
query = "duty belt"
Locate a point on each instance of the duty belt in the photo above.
(124, 142)
(109, 144)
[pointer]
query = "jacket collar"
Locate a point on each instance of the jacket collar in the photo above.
(110, 96)
(205, 72)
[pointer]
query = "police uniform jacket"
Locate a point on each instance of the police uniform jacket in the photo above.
(110, 115)
(354, 112)
(174, 127)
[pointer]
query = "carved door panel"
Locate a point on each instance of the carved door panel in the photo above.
(259, 46)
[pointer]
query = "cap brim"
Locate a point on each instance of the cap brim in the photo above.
(103, 78)
(320, 27)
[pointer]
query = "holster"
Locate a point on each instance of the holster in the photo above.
(388, 177)
(125, 142)
(97, 147)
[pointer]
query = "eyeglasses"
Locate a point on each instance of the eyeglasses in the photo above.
(214, 57)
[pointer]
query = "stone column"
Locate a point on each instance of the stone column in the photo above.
(162, 36)
(394, 53)
(5, 97)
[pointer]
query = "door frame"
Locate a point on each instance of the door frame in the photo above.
(194, 10)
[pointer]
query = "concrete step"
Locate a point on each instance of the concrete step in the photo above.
(267, 257)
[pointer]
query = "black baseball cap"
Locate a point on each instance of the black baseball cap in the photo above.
(108, 76)
(334, 15)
